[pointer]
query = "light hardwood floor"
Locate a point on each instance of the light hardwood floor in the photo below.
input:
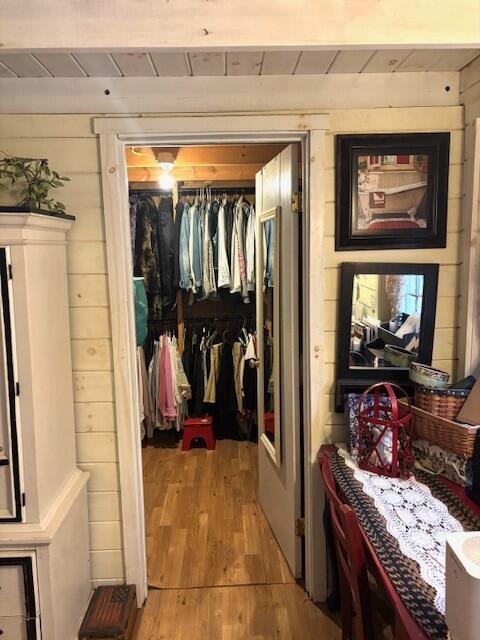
(214, 568)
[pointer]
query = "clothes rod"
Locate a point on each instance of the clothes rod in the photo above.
(184, 191)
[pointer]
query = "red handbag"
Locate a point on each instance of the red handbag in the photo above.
(385, 431)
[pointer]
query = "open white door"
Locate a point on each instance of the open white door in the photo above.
(278, 350)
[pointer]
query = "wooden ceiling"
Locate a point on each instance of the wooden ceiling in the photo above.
(206, 164)
(103, 64)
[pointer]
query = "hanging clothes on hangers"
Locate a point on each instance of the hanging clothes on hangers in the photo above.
(166, 240)
(208, 282)
(168, 385)
(224, 279)
(147, 260)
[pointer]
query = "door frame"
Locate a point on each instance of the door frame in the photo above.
(115, 133)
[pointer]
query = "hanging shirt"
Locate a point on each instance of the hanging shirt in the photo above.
(240, 228)
(210, 389)
(250, 250)
(250, 376)
(195, 247)
(209, 286)
(237, 354)
(184, 250)
(223, 264)
(269, 253)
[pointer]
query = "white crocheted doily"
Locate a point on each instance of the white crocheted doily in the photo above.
(415, 518)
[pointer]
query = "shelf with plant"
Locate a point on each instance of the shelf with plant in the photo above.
(31, 179)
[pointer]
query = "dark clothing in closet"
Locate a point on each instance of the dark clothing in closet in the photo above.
(249, 387)
(199, 382)
(147, 259)
(225, 389)
(176, 243)
(229, 210)
(166, 243)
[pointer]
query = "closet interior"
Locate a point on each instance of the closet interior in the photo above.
(193, 235)
(207, 267)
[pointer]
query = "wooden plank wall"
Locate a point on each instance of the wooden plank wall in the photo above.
(71, 148)
(469, 349)
(395, 121)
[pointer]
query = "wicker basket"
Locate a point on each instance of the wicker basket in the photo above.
(447, 434)
(445, 403)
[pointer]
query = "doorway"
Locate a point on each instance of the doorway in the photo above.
(215, 251)
(116, 133)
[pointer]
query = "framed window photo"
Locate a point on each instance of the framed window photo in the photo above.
(391, 191)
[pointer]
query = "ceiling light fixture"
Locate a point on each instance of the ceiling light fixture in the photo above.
(166, 180)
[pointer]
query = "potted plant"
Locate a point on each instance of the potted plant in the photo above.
(28, 182)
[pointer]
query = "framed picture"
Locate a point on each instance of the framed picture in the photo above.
(391, 191)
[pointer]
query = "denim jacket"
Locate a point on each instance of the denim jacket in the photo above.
(184, 257)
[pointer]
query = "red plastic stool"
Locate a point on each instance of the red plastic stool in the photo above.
(198, 428)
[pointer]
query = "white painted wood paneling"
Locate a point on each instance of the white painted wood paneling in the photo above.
(350, 61)
(437, 60)
(24, 65)
(106, 564)
(79, 155)
(385, 61)
(94, 416)
(104, 506)
(30, 126)
(454, 60)
(96, 447)
(171, 64)
(88, 225)
(88, 291)
(150, 24)
(470, 75)
(103, 476)
(207, 64)
(238, 63)
(229, 94)
(87, 257)
(5, 72)
(97, 65)
(277, 63)
(314, 62)
(91, 355)
(61, 65)
(134, 64)
(93, 386)
(244, 63)
(89, 323)
(105, 536)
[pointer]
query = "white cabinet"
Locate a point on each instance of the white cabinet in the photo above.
(18, 597)
(10, 486)
(43, 501)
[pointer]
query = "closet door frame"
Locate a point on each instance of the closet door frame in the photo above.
(115, 134)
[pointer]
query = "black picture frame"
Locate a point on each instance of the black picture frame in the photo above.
(357, 379)
(429, 159)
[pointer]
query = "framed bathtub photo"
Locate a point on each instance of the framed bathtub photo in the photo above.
(391, 191)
